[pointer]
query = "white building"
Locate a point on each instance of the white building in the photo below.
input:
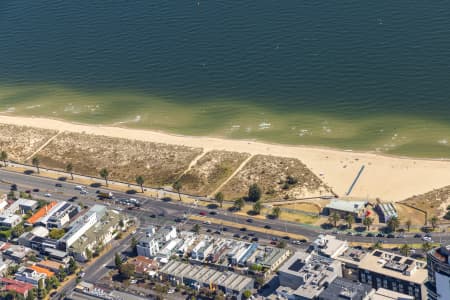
(29, 275)
(329, 246)
(81, 226)
(147, 247)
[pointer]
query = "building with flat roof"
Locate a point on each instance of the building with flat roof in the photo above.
(15, 253)
(397, 273)
(3, 202)
(21, 206)
(197, 277)
(344, 208)
(147, 247)
(438, 264)
(59, 215)
(50, 265)
(30, 276)
(101, 233)
(9, 220)
(386, 211)
(329, 246)
(383, 294)
(345, 289)
(305, 275)
(40, 213)
(350, 259)
(272, 258)
(81, 226)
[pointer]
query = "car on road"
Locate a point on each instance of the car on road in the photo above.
(208, 230)
(202, 213)
(370, 234)
(273, 242)
(28, 191)
(427, 239)
(79, 187)
(418, 236)
(349, 233)
(14, 187)
(237, 235)
(250, 220)
(251, 234)
(245, 237)
(243, 229)
(213, 212)
(380, 234)
(390, 236)
(47, 195)
(152, 216)
(224, 229)
(36, 190)
(207, 222)
(58, 185)
(218, 232)
(267, 226)
(84, 192)
(255, 239)
(286, 237)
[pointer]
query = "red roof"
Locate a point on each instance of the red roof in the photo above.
(15, 285)
(42, 212)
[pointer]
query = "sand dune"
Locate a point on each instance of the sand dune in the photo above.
(385, 177)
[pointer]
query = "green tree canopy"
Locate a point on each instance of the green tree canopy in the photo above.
(254, 192)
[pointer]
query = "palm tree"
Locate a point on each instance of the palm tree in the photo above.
(104, 173)
(368, 221)
(408, 224)
(69, 169)
(404, 250)
(434, 220)
(393, 224)
(276, 211)
(426, 247)
(377, 245)
(257, 207)
(35, 161)
(178, 186)
(196, 228)
(350, 220)
(219, 198)
(4, 157)
(140, 181)
(334, 218)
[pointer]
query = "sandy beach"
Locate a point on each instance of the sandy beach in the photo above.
(385, 177)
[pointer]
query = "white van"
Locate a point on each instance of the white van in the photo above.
(79, 188)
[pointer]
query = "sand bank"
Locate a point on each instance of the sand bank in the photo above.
(386, 177)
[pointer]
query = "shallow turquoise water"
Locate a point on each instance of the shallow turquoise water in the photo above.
(347, 74)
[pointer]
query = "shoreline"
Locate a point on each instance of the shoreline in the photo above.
(389, 177)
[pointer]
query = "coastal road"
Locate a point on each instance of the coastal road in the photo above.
(168, 211)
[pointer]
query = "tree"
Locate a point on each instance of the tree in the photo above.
(219, 198)
(69, 169)
(104, 173)
(88, 253)
(426, 247)
(196, 228)
(117, 260)
(257, 207)
(18, 230)
(254, 193)
(126, 271)
(72, 266)
(334, 218)
(276, 211)
(408, 224)
(434, 221)
(57, 233)
(368, 221)
(239, 203)
(404, 250)
(133, 245)
(41, 289)
(247, 294)
(178, 186)
(31, 294)
(377, 245)
(36, 161)
(62, 273)
(350, 220)
(281, 244)
(393, 224)
(140, 182)
(4, 157)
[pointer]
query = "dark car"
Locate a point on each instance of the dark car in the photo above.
(224, 229)
(13, 187)
(370, 234)
(58, 184)
(243, 229)
(213, 213)
(417, 235)
(390, 236)
(250, 220)
(255, 239)
(380, 235)
(208, 230)
(236, 235)
(286, 237)
(267, 226)
(251, 234)
(202, 213)
(245, 237)
(218, 232)
(153, 216)
(36, 190)
(28, 191)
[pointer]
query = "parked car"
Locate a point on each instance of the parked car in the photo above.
(267, 226)
(47, 195)
(202, 213)
(370, 234)
(390, 236)
(250, 220)
(36, 190)
(418, 236)
(58, 184)
(237, 235)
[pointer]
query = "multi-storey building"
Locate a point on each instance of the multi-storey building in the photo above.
(438, 263)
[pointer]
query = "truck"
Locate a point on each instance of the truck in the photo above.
(104, 195)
